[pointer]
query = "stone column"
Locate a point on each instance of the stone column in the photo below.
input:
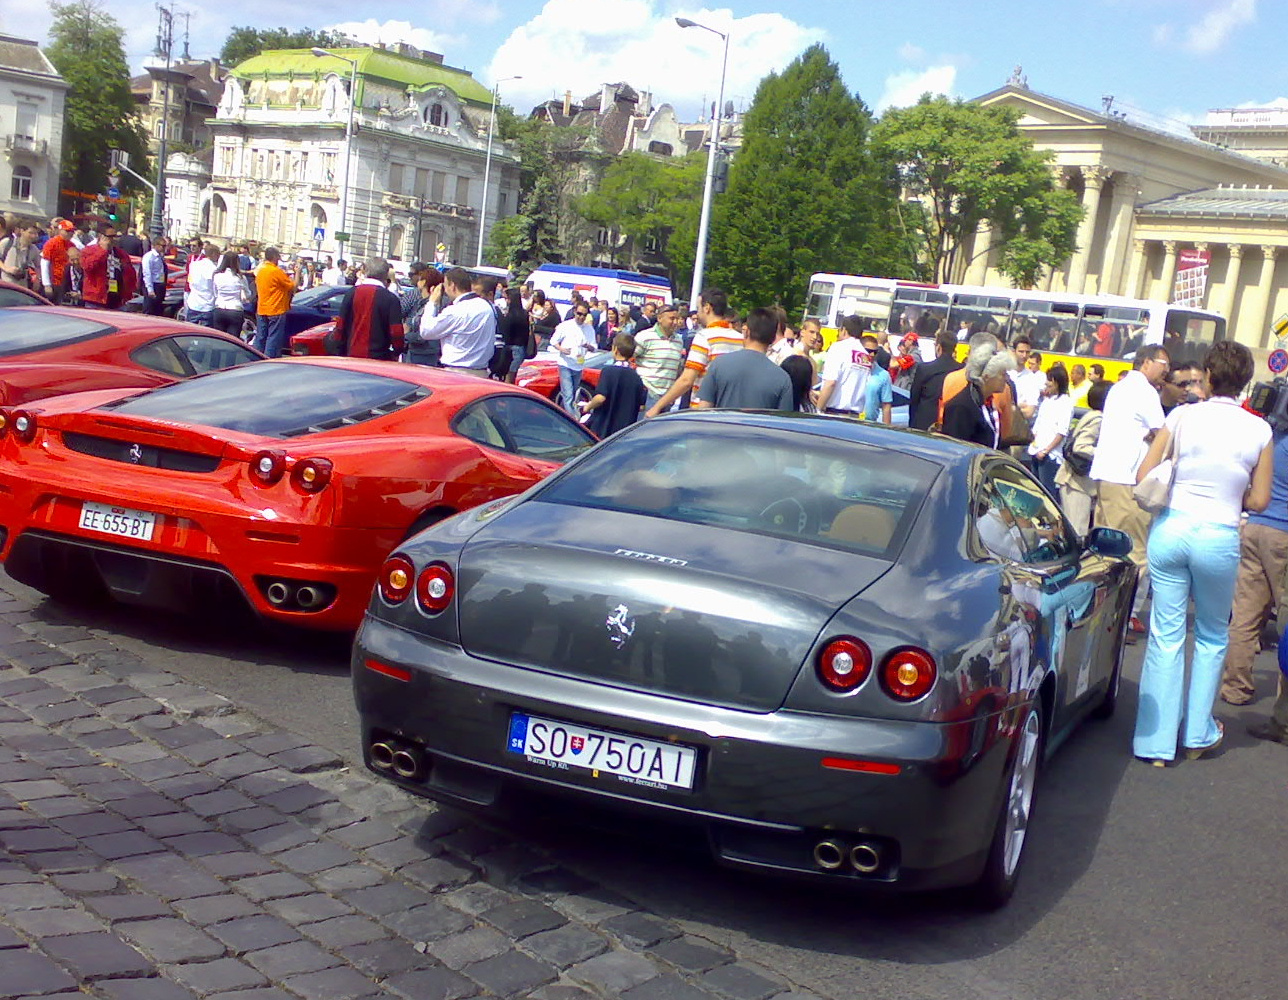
(1140, 257)
(1230, 290)
(1169, 269)
(1257, 332)
(1122, 210)
(977, 267)
(1093, 180)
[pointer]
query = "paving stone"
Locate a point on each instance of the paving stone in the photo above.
(31, 896)
(185, 734)
(253, 933)
(212, 748)
(134, 753)
(271, 743)
(741, 982)
(334, 984)
(213, 909)
(366, 833)
(565, 946)
(613, 972)
(439, 873)
(348, 877)
(107, 735)
(30, 973)
(142, 989)
(127, 906)
(53, 715)
(667, 987)
(22, 770)
(308, 909)
(155, 770)
(264, 994)
(476, 897)
(341, 932)
(554, 880)
(120, 790)
(266, 782)
(247, 820)
(170, 877)
(200, 845)
(593, 906)
(278, 885)
(692, 955)
(11, 686)
(378, 900)
(312, 858)
(279, 838)
(511, 972)
(110, 693)
(291, 959)
(62, 805)
(239, 765)
(8, 939)
(426, 922)
(34, 839)
(328, 816)
(87, 883)
(639, 930)
(404, 851)
(172, 825)
(431, 984)
(169, 939)
(305, 760)
(54, 923)
(96, 956)
(223, 974)
(224, 800)
(387, 957)
(28, 791)
(51, 862)
(115, 846)
(17, 819)
(92, 824)
(524, 917)
(148, 804)
(38, 697)
(297, 798)
(473, 945)
(188, 784)
(135, 708)
(88, 774)
(188, 700)
(238, 865)
(560, 991)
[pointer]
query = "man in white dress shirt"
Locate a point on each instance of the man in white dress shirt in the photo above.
(466, 328)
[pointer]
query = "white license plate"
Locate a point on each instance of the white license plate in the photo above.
(564, 745)
(118, 521)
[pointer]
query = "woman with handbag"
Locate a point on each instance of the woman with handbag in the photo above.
(970, 415)
(1077, 488)
(1208, 463)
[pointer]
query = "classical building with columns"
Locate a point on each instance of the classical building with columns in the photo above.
(1149, 196)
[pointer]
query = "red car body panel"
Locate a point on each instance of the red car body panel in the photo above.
(312, 342)
(388, 472)
(102, 362)
(542, 376)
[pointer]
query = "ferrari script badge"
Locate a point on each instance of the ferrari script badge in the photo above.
(620, 625)
(136, 453)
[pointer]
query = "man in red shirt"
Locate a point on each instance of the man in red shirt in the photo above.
(53, 260)
(109, 275)
(370, 321)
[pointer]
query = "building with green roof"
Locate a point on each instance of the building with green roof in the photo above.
(415, 168)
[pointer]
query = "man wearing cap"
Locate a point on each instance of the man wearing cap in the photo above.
(53, 260)
(110, 278)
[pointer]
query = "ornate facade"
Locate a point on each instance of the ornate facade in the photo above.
(31, 130)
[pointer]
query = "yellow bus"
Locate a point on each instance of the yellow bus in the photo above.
(1083, 329)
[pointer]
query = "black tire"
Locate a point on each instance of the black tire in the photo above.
(1006, 853)
(585, 393)
(430, 517)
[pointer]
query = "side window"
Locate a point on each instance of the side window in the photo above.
(212, 354)
(161, 356)
(474, 422)
(13, 297)
(1022, 522)
(536, 430)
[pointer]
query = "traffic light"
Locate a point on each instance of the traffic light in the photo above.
(720, 175)
(112, 213)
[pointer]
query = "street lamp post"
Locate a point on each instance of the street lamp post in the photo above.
(704, 223)
(487, 165)
(348, 137)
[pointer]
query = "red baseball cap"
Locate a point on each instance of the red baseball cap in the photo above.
(67, 224)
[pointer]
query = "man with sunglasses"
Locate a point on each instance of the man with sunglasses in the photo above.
(1184, 384)
(110, 278)
(572, 340)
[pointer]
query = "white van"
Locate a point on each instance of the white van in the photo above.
(617, 288)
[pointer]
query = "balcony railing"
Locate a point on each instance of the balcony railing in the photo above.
(411, 203)
(26, 144)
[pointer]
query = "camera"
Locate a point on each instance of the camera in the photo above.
(1270, 399)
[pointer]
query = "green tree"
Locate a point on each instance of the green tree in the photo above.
(509, 244)
(644, 198)
(805, 194)
(967, 164)
(244, 41)
(86, 48)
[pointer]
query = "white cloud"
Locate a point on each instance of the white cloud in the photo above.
(578, 45)
(1211, 31)
(911, 53)
(372, 32)
(902, 89)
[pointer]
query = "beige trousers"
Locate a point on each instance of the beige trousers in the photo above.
(1116, 507)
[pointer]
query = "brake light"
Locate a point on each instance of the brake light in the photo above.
(24, 425)
(397, 673)
(435, 587)
(267, 467)
(908, 673)
(844, 663)
(396, 577)
(312, 474)
(4, 422)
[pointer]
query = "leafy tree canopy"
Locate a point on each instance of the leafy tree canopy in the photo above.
(968, 164)
(805, 193)
(86, 48)
(244, 41)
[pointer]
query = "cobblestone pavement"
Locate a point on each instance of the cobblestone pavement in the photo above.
(160, 844)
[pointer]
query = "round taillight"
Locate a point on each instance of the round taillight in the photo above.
(312, 474)
(267, 467)
(4, 423)
(435, 587)
(908, 673)
(396, 577)
(23, 424)
(844, 663)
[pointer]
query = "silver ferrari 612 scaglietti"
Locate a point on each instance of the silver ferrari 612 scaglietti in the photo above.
(843, 650)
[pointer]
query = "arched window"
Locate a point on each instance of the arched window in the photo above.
(395, 241)
(21, 189)
(218, 216)
(436, 114)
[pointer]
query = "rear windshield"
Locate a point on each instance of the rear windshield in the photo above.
(35, 329)
(275, 400)
(785, 483)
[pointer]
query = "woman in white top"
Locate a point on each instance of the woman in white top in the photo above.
(1223, 467)
(231, 296)
(1050, 427)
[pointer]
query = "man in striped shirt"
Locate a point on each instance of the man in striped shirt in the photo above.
(716, 337)
(659, 354)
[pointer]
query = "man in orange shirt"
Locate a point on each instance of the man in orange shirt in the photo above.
(275, 288)
(53, 260)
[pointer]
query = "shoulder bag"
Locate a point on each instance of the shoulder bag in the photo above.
(1154, 492)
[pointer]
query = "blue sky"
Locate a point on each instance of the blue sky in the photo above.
(1172, 58)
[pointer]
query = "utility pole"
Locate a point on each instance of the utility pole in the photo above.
(165, 47)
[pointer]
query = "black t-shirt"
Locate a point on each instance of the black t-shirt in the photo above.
(624, 395)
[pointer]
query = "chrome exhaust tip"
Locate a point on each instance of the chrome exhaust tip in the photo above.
(829, 855)
(308, 597)
(277, 593)
(405, 763)
(865, 858)
(382, 755)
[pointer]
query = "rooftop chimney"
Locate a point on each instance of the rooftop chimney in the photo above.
(567, 103)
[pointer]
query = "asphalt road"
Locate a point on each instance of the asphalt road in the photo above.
(1140, 883)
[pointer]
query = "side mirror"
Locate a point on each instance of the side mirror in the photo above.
(1108, 542)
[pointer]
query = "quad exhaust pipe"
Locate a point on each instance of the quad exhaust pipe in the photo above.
(277, 593)
(832, 855)
(382, 755)
(309, 597)
(829, 855)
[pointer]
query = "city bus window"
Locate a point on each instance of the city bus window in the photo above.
(872, 302)
(972, 314)
(1112, 331)
(819, 306)
(1049, 326)
(923, 311)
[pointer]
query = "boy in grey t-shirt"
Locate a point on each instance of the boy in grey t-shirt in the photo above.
(747, 379)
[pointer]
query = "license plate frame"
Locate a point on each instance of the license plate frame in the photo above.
(635, 760)
(119, 522)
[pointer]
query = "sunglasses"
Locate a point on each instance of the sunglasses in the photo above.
(581, 315)
(1184, 383)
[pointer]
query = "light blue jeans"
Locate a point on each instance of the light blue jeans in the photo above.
(569, 381)
(1188, 557)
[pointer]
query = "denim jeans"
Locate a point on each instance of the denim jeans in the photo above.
(1044, 469)
(200, 318)
(270, 335)
(569, 381)
(1188, 557)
